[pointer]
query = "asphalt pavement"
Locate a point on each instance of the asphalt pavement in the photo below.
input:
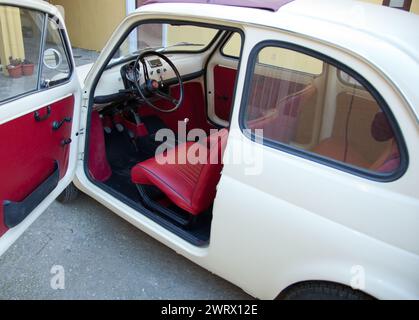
(84, 251)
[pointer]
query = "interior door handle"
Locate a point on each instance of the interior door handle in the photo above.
(224, 98)
(66, 142)
(56, 125)
(38, 117)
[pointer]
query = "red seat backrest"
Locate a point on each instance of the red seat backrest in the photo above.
(382, 131)
(211, 172)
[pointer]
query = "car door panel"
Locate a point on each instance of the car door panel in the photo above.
(33, 154)
(221, 82)
(39, 125)
(224, 84)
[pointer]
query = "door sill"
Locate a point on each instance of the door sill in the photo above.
(186, 235)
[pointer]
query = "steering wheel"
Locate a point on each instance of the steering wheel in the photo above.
(152, 88)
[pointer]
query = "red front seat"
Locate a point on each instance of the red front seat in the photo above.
(189, 185)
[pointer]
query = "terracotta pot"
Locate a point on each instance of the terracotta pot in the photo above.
(28, 69)
(15, 71)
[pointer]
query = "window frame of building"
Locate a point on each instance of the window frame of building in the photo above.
(317, 158)
(407, 4)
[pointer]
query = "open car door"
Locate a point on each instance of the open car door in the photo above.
(40, 98)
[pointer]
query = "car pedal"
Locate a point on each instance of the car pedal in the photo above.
(107, 124)
(119, 127)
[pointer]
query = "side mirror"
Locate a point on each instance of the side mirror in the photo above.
(52, 59)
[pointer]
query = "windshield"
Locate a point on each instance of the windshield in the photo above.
(165, 37)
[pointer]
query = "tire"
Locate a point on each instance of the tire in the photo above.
(322, 291)
(69, 194)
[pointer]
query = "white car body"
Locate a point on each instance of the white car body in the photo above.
(299, 220)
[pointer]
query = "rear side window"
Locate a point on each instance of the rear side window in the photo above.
(334, 117)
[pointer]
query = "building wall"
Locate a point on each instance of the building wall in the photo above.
(11, 39)
(415, 6)
(91, 22)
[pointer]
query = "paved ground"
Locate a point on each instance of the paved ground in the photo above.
(104, 257)
(82, 56)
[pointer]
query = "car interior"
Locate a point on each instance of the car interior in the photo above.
(182, 77)
(158, 79)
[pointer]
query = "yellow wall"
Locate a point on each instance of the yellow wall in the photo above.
(91, 22)
(11, 40)
(194, 34)
(374, 1)
(415, 6)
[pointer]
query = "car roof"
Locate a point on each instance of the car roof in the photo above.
(270, 5)
(384, 36)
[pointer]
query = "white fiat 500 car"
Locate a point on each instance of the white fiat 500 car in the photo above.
(273, 143)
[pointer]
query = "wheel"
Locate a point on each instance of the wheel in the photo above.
(322, 291)
(69, 194)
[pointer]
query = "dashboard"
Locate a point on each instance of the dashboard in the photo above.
(157, 70)
(116, 78)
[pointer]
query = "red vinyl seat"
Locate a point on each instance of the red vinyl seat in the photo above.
(382, 132)
(189, 184)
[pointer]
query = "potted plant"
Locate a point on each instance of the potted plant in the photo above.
(15, 68)
(28, 67)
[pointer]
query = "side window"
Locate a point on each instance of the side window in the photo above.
(330, 116)
(20, 45)
(232, 47)
(56, 64)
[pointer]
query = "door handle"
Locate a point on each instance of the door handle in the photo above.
(56, 125)
(224, 98)
(38, 117)
(66, 142)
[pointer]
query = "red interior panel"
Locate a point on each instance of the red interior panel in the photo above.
(98, 165)
(193, 108)
(28, 151)
(224, 84)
